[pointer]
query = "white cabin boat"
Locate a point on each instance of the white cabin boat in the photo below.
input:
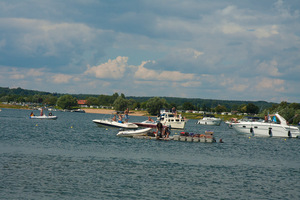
(280, 128)
(210, 120)
(172, 120)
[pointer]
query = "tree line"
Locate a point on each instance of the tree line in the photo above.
(150, 104)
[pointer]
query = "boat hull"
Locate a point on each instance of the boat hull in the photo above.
(210, 122)
(174, 124)
(131, 133)
(43, 117)
(147, 124)
(266, 129)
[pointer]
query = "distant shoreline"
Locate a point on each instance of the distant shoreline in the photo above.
(109, 111)
(87, 110)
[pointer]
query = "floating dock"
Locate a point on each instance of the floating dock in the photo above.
(185, 137)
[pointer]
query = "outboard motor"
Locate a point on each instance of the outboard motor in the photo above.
(289, 134)
(251, 131)
(270, 132)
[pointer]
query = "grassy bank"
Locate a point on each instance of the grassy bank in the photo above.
(13, 106)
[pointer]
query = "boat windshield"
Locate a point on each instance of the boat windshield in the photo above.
(251, 119)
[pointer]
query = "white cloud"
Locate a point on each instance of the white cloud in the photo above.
(36, 72)
(191, 84)
(269, 68)
(271, 84)
(17, 76)
(61, 78)
(114, 69)
(143, 73)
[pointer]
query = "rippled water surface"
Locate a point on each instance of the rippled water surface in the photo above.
(73, 158)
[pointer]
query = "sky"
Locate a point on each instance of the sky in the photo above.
(211, 49)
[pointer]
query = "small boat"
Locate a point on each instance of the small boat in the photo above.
(172, 120)
(210, 120)
(78, 111)
(146, 123)
(43, 117)
(277, 127)
(131, 133)
(115, 124)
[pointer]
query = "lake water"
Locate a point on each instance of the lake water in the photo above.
(73, 158)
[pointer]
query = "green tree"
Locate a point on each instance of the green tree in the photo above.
(131, 104)
(120, 104)
(67, 101)
(188, 106)
(114, 97)
(50, 100)
(154, 105)
(92, 101)
(105, 100)
(220, 109)
(251, 108)
(242, 108)
(37, 98)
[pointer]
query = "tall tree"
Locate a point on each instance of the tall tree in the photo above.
(67, 101)
(120, 104)
(154, 105)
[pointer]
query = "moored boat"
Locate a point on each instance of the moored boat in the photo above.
(115, 124)
(43, 117)
(210, 120)
(274, 128)
(131, 133)
(172, 120)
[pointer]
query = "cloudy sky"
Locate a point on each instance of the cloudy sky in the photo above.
(212, 49)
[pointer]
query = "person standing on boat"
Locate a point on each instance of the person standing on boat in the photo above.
(159, 130)
(126, 115)
(166, 132)
(174, 111)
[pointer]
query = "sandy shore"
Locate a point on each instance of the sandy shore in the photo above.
(108, 111)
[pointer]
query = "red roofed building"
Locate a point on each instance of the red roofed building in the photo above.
(82, 103)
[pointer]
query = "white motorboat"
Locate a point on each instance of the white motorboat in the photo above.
(146, 123)
(210, 120)
(172, 120)
(111, 123)
(280, 128)
(43, 117)
(78, 111)
(131, 133)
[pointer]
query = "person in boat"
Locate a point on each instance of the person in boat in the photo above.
(174, 111)
(266, 118)
(166, 132)
(50, 114)
(126, 115)
(120, 119)
(150, 120)
(114, 118)
(31, 114)
(159, 130)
